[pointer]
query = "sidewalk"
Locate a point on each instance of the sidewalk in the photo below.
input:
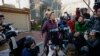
(35, 34)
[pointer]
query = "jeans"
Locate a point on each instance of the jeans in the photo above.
(4, 52)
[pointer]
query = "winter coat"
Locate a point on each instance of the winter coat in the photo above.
(47, 26)
(71, 25)
(94, 47)
(32, 52)
(62, 24)
(80, 27)
(96, 25)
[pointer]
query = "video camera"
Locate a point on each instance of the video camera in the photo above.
(10, 34)
(5, 37)
(7, 27)
(8, 31)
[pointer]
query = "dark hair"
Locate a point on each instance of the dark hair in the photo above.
(96, 6)
(81, 16)
(71, 48)
(98, 35)
(65, 12)
(48, 9)
(62, 18)
(29, 41)
(1, 15)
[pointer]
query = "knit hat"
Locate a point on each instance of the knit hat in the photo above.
(29, 41)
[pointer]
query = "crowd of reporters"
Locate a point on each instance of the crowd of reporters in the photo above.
(83, 34)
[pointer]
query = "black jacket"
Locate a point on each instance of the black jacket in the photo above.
(94, 24)
(94, 48)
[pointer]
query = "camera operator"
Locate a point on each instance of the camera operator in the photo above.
(93, 43)
(4, 46)
(7, 36)
(30, 49)
(94, 23)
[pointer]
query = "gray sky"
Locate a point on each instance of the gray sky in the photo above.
(23, 3)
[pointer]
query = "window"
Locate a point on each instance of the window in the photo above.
(1, 2)
(16, 3)
(24, 3)
(10, 2)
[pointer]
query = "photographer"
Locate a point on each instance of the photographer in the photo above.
(94, 23)
(4, 46)
(30, 48)
(7, 41)
(93, 43)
